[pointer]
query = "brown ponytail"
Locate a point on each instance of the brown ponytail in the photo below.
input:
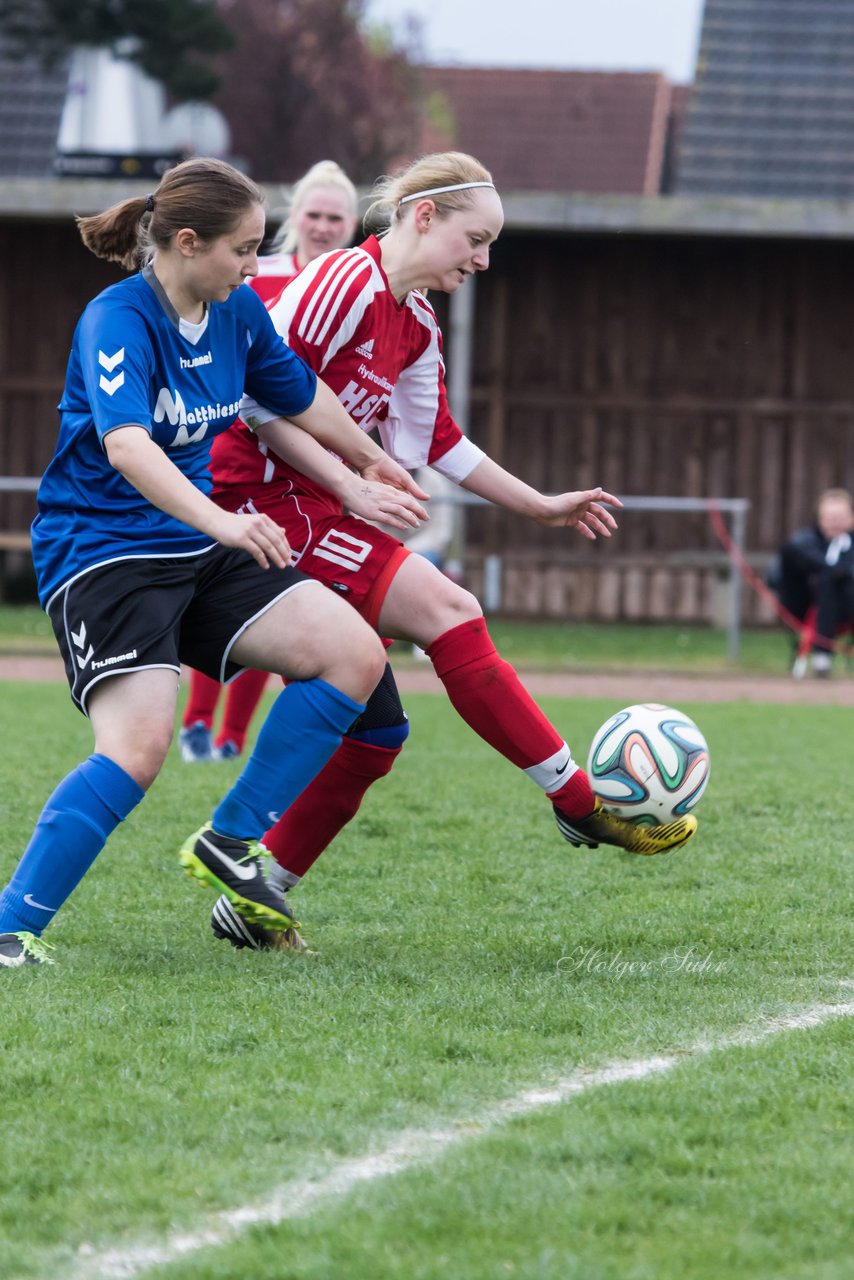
(204, 194)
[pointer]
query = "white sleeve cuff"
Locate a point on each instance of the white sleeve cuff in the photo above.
(459, 461)
(254, 415)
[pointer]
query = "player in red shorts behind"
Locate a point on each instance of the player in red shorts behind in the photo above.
(322, 217)
(360, 319)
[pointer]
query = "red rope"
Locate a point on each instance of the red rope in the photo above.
(751, 577)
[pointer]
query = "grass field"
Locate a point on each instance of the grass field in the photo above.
(24, 629)
(155, 1079)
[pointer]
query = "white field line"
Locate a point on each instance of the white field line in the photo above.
(301, 1196)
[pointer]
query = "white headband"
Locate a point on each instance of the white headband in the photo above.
(438, 191)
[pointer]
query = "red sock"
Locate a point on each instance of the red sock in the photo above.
(327, 804)
(241, 699)
(491, 698)
(202, 700)
(575, 798)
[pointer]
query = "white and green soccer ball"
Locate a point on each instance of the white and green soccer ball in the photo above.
(649, 763)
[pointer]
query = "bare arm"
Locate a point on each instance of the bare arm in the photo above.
(145, 466)
(375, 494)
(581, 509)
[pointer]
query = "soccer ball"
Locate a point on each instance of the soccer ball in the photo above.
(649, 763)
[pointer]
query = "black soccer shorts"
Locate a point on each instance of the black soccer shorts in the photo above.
(143, 612)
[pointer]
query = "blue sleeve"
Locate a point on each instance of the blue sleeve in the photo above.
(275, 376)
(115, 360)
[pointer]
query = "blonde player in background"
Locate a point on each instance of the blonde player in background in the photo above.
(321, 217)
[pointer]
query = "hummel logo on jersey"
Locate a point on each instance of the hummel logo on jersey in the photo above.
(196, 361)
(109, 362)
(111, 385)
(366, 349)
(242, 872)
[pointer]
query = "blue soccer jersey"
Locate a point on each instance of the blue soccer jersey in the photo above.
(135, 362)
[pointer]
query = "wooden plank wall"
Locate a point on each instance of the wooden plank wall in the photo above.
(651, 365)
(46, 278)
(660, 366)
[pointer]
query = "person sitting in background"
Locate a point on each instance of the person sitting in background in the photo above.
(321, 217)
(814, 571)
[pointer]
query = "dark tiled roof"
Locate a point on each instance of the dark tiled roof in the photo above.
(679, 101)
(584, 131)
(31, 102)
(772, 111)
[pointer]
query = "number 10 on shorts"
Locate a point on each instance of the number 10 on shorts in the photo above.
(343, 549)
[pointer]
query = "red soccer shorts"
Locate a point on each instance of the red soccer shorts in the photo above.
(353, 558)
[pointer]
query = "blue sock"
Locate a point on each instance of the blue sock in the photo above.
(302, 730)
(73, 828)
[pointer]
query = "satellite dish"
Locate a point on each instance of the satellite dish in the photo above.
(196, 128)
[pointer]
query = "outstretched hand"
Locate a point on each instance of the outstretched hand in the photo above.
(581, 510)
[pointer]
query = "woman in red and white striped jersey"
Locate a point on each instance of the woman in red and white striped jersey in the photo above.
(361, 319)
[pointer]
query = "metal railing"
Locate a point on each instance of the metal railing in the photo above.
(735, 508)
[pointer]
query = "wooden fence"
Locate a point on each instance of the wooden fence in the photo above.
(688, 366)
(668, 365)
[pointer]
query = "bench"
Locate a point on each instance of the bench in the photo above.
(15, 544)
(15, 540)
(15, 563)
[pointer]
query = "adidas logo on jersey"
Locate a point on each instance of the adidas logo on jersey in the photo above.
(366, 349)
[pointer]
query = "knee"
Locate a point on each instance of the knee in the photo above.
(453, 606)
(372, 661)
(148, 760)
(383, 723)
(358, 661)
(140, 754)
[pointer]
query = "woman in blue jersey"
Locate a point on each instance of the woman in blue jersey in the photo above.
(140, 571)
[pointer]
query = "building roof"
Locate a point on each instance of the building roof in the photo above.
(559, 131)
(59, 199)
(31, 101)
(537, 130)
(772, 110)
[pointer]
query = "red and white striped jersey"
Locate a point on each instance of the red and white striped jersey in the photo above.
(382, 358)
